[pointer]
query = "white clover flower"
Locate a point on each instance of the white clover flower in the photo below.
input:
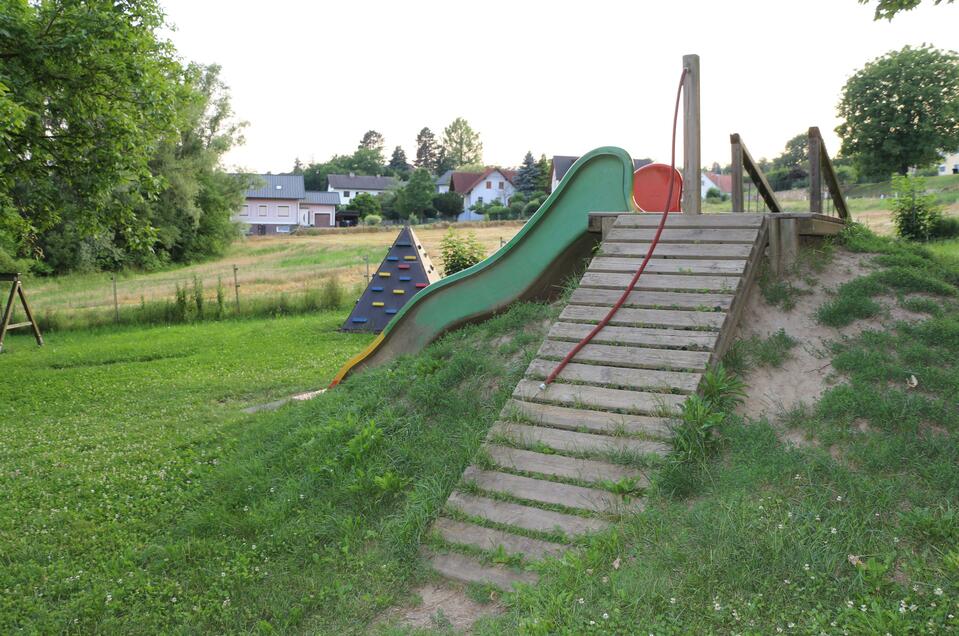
(937, 591)
(605, 616)
(833, 531)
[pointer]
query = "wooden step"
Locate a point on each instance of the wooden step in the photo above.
(678, 250)
(467, 569)
(671, 235)
(661, 282)
(470, 534)
(594, 397)
(558, 465)
(727, 267)
(573, 441)
(627, 317)
(547, 492)
(596, 421)
(625, 377)
(651, 299)
(626, 356)
(679, 220)
(644, 336)
(522, 516)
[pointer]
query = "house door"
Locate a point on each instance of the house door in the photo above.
(261, 230)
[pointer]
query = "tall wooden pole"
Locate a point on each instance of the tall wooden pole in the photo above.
(815, 171)
(692, 202)
(737, 164)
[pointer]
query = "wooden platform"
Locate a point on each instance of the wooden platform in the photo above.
(571, 457)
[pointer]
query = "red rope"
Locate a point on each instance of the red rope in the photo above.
(649, 253)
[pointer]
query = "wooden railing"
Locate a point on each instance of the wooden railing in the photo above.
(821, 169)
(742, 160)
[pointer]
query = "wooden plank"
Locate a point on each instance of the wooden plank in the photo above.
(641, 379)
(576, 419)
(17, 325)
(482, 538)
(579, 396)
(739, 302)
(664, 282)
(521, 516)
(624, 356)
(651, 299)
(668, 265)
(574, 441)
(820, 226)
(558, 465)
(682, 236)
(677, 250)
(674, 220)
(646, 317)
(642, 336)
(542, 491)
(466, 569)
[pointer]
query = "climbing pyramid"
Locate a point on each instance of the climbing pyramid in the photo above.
(405, 270)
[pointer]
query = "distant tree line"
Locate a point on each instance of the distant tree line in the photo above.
(110, 147)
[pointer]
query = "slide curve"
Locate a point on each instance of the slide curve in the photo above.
(532, 265)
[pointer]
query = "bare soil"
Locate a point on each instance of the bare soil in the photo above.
(444, 605)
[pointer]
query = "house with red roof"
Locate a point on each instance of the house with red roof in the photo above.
(492, 185)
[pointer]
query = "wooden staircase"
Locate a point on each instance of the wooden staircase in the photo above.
(553, 464)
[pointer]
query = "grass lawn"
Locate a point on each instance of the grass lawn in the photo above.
(105, 438)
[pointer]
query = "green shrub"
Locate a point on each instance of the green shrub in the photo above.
(915, 213)
(220, 298)
(714, 194)
(372, 219)
(945, 227)
(198, 296)
(331, 294)
(459, 253)
(530, 208)
(497, 212)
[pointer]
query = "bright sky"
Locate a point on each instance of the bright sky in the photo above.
(550, 76)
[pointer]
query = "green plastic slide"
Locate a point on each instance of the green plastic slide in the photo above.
(530, 266)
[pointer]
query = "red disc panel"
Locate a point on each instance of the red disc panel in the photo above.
(651, 187)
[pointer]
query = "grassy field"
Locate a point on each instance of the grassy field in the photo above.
(106, 438)
(267, 266)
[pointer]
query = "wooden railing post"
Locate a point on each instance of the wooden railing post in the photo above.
(737, 156)
(815, 171)
(692, 196)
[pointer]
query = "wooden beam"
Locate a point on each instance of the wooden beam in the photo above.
(736, 145)
(692, 197)
(762, 185)
(815, 171)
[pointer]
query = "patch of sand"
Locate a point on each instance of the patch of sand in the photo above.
(441, 606)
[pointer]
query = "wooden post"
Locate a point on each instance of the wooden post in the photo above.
(692, 200)
(815, 171)
(116, 304)
(737, 150)
(775, 245)
(788, 243)
(5, 326)
(236, 289)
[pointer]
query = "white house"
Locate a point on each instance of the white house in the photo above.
(350, 185)
(281, 203)
(443, 182)
(494, 184)
(949, 163)
(562, 164)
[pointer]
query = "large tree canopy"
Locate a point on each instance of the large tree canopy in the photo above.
(461, 144)
(100, 124)
(900, 111)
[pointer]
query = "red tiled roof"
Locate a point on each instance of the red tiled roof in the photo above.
(460, 181)
(510, 175)
(723, 181)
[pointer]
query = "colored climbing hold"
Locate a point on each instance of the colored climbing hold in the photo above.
(403, 266)
(409, 258)
(390, 311)
(379, 303)
(405, 279)
(384, 274)
(359, 319)
(376, 288)
(421, 285)
(403, 245)
(399, 291)
(392, 258)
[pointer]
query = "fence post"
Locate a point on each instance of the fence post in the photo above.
(116, 304)
(366, 259)
(737, 152)
(815, 171)
(692, 195)
(236, 289)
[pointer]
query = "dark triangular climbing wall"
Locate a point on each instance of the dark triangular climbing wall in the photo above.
(405, 270)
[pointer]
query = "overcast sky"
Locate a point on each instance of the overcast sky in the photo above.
(553, 77)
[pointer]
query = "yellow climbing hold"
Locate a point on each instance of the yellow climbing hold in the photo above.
(379, 304)
(385, 274)
(399, 291)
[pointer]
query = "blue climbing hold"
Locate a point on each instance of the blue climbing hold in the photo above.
(359, 319)
(390, 311)
(376, 288)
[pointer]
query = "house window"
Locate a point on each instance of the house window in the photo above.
(261, 209)
(489, 185)
(283, 210)
(942, 168)
(282, 229)
(245, 210)
(346, 194)
(502, 185)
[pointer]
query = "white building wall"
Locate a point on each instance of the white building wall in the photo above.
(346, 198)
(705, 184)
(949, 164)
(309, 212)
(493, 192)
(269, 212)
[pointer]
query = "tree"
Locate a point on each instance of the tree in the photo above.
(900, 111)
(545, 181)
(365, 203)
(461, 144)
(448, 203)
(889, 8)
(459, 253)
(416, 199)
(297, 166)
(372, 140)
(427, 151)
(527, 178)
(915, 213)
(91, 89)
(791, 169)
(398, 163)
